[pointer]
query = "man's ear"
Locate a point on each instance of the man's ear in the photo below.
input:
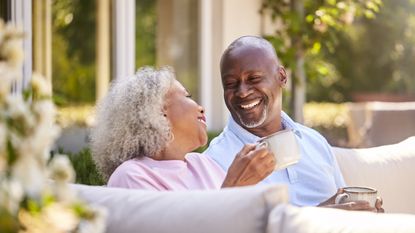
(282, 76)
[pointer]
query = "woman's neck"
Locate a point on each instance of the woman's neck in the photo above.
(171, 153)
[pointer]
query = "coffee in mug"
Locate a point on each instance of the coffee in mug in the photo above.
(284, 146)
(358, 194)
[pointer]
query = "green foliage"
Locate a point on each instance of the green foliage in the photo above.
(309, 24)
(307, 28)
(73, 51)
(146, 22)
(377, 55)
(86, 171)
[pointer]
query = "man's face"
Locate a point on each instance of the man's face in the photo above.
(252, 89)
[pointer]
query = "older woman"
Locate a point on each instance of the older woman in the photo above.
(146, 128)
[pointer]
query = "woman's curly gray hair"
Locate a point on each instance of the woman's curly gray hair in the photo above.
(130, 121)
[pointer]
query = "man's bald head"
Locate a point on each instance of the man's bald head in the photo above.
(250, 42)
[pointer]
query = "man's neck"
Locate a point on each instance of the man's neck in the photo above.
(266, 129)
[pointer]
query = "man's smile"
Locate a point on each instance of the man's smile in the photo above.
(250, 104)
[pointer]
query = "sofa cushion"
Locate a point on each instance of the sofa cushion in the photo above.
(390, 169)
(228, 210)
(290, 219)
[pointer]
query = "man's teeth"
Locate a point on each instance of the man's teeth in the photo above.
(251, 105)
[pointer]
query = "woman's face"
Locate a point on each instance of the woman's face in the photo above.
(187, 118)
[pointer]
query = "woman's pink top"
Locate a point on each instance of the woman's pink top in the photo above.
(197, 171)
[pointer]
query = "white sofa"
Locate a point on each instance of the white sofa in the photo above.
(264, 209)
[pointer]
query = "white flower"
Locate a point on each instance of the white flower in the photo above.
(16, 106)
(61, 170)
(19, 112)
(11, 45)
(40, 86)
(63, 218)
(11, 195)
(29, 126)
(98, 222)
(13, 52)
(7, 77)
(45, 111)
(53, 218)
(43, 135)
(30, 174)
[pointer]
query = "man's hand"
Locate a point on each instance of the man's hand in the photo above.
(354, 205)
(250, 166)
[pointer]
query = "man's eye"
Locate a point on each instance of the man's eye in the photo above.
(189, 95)
(255, 79)
(230, 85)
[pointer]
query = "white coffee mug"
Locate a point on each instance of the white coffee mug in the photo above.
(284, 146)
(358, 194)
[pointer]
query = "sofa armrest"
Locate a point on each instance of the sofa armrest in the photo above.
(229, 210)
(290, 219)
(390, 169)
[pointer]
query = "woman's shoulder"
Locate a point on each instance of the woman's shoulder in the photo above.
(133, 173)
(129, 166)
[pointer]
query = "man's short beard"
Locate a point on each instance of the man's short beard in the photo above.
(254, 124)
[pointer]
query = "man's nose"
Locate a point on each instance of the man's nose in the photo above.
(243, 90)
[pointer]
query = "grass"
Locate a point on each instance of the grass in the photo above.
(86, 171)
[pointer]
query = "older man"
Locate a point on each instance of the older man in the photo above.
(252, 80)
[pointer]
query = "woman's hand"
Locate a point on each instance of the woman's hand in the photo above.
(250, 166)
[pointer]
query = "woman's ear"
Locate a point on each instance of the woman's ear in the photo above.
(164, 110)
(282, 76)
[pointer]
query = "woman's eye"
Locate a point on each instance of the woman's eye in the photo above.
(189, 95)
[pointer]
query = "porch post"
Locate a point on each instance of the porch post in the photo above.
(123, 38)
(103, 62)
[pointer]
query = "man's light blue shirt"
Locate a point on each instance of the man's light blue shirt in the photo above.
(314, 179)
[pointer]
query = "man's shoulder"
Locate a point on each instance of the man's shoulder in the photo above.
(310, 132)
(217, 143)
(225, 143)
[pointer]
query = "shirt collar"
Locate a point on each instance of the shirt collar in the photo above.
(248, 137)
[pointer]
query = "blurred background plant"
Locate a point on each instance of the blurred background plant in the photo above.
(304, 28)
(80, 115)
(351, 49)
(34, 191)
(86, 171)
(329, 119)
